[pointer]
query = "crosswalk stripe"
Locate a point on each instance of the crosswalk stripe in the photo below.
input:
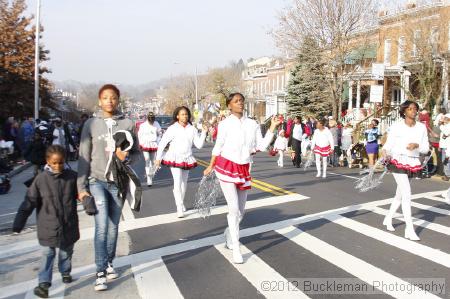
(413, 247)
(353, 265)
(145, 256)
(430, 208)
(419, 222)
(153, 280)
(437, 198)
(253, 268)
(56, 291)
(131, 224)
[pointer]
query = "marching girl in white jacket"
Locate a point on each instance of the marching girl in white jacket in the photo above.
(280, 146)
(238, 137)
(322, 145)
(406, 140)
(181, 135)
(149, 135)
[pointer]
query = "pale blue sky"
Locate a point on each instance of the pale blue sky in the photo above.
(137, 41)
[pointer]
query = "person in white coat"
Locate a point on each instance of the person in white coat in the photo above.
(280, 146)
(180, 137)
(322, 144)
(149, 135)
(406, 140)
(238, 137)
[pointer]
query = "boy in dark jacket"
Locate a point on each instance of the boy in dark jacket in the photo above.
(53, 193)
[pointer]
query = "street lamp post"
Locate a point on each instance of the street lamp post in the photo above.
(196, 88)
(36, 62)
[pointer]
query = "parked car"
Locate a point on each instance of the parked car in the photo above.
(164, 121)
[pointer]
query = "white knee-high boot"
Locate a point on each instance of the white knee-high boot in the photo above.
(409, 229)
(318, 158)
(324, 161)
(392, 210)
(178, 202)
(233, 225)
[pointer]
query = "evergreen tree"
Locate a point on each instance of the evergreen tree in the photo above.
(17, 38)
(307, 92)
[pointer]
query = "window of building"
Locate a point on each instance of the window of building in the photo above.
(401, 50)
(448, 36)
(387, 52)
(416, 40)
(434, 39)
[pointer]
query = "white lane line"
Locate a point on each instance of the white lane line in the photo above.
(430, 208)
(153, 254)
(88, 233)
(413, 247)
(8, 214)
(353, 265)
(253, 268)
(438, 198)
(344, 175)
(57, 289)
(131, 224)
(153, 280)
(419, 222)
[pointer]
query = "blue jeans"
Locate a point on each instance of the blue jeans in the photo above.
(107, 220)
(48, 257)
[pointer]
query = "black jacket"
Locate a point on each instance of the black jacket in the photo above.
(54, 197)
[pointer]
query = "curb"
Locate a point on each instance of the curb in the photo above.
(18, 169)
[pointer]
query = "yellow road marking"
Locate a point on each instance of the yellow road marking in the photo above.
(258, 184)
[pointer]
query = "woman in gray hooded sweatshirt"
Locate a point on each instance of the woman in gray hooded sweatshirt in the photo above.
(96, 148)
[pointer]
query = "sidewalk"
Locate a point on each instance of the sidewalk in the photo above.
(20, 267)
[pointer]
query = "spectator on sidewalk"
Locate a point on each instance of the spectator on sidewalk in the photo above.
(36, 153)
(96, 146)
(444, 144)
(57, 218)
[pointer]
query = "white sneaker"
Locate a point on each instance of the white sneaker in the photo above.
(324, 175)
(100, 282)
(111, 273)
(318, 175)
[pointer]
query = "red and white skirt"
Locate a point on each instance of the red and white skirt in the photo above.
(408, 165)
(149, 146)
(173, 160)
(230, 172)
(323, 151)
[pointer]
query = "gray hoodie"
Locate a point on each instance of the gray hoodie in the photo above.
(95, 148)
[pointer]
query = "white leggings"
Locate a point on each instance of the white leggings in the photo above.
(324, 162)
(235, 198)
(149, 158)
(180, 178)
(280, 159)
(402, 197)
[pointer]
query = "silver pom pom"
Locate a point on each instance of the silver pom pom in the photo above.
(153, 170)
(208, 193)
(371, 180)
(309, 160)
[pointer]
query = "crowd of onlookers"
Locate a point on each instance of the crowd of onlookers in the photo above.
(27, 139)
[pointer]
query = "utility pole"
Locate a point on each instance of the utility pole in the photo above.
(36, 62)
(196, 88)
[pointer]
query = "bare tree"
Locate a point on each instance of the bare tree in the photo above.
(425, 57)
(335, 25)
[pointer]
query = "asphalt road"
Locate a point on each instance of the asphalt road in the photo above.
(299, 233)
